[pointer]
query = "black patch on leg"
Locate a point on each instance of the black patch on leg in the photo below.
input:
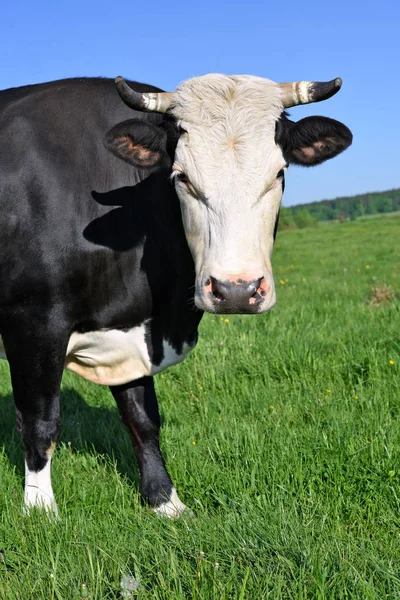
(138, 407)
(36, 357)
(37, 438)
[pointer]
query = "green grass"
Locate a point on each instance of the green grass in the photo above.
(280, 431)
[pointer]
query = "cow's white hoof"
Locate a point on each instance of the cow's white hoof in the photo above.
(173, 508)
(38, 490)
(36, 498)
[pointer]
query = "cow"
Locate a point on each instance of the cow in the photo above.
(121, 222)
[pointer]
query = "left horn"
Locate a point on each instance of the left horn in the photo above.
(305, 92)
(149, 101)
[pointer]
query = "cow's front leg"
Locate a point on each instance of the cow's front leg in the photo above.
(137, 403)
(36, 356)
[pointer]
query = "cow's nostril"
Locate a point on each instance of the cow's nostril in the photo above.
(218, 295)
(256, 284)
(217, 289)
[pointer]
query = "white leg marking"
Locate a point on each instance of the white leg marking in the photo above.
(173, 508)
(38, 490)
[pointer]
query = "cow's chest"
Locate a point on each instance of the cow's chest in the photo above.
(114, 357)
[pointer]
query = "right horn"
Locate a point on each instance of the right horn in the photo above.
(305, 92)
(149, 101)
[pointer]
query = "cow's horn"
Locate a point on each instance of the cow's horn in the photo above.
(149, 101)
(305, 92)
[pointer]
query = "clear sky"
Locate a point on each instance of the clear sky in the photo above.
(164, 43)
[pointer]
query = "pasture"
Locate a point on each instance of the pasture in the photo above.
(281, 432)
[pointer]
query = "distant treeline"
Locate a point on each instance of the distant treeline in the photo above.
(339, 209)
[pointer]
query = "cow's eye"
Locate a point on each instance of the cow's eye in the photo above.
(280, 174)
(182, 177)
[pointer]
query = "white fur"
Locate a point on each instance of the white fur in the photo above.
(38, 489)
(173, 508)
(231, 160)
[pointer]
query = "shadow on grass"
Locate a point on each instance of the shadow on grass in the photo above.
(94, 430)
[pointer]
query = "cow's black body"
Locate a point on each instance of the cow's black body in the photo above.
(87, 243)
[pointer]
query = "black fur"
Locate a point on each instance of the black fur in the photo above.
(312, 140)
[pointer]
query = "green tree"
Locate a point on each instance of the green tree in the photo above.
(385, 204)
(303, 219)
(286, 220)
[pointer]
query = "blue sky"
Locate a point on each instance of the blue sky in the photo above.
(164, 43)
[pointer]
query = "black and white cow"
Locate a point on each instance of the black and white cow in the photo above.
(106, 264)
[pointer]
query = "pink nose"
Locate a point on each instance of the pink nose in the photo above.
(236, 295)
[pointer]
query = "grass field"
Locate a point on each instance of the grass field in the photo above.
(282, 432)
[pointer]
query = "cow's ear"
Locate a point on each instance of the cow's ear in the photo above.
(139, 143)
(313, 140)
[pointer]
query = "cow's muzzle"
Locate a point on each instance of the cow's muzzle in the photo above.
(237, 295)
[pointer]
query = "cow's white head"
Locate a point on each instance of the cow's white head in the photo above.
(228, 166)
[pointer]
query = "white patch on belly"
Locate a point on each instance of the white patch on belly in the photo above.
(109, 357)
(38, 489)
(114, 357)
